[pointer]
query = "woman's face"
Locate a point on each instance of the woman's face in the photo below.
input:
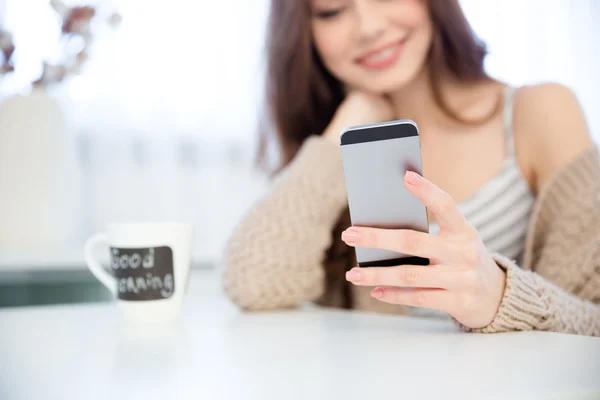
(374, 45)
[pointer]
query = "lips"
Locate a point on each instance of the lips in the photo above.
(383, 57)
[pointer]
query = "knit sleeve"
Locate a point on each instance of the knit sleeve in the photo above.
(274, 257)
(531, 302)
(559, 288)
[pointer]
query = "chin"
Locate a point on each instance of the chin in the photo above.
(383, 86)
(390, 82)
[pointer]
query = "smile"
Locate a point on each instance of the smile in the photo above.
(383, 57)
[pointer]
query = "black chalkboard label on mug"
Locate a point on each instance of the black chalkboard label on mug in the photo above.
(144, 273)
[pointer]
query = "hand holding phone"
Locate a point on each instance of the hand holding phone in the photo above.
(375, 159)
(463, 279)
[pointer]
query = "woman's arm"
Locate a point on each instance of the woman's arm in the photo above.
(563, 244)
(274, 256)
(467, 282)
(558, 288)
(532, 302)
(550, 130)
(562, 294)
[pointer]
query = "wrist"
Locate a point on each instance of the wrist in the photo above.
(501, 285)
(495, 294)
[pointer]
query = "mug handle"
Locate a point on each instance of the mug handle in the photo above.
(97, 269)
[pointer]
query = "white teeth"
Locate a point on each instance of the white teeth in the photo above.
(382, 55)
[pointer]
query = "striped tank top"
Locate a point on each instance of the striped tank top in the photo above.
(500, 209)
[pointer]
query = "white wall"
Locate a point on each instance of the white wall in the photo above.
(544, 40)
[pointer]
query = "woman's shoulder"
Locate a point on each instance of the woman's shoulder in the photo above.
(550, 106)
(545, 88)
(549, 127)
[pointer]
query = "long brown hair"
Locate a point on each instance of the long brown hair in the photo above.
(302, 96)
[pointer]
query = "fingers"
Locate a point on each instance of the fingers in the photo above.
(438, 299)
(441, 204)
(403, 241)
(407, 276)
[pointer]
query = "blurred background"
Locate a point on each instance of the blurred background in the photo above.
(147, 111)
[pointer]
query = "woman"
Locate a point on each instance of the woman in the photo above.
(511, 175)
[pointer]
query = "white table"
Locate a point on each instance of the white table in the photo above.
(84, 352)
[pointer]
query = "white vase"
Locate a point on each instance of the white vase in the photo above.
(37, 175)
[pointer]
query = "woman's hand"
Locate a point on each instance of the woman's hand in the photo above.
(462, 280)
(358, 108)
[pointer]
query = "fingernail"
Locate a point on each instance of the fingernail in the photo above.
(354, 275)
(377, 293)
(350, 236)
(413, 178)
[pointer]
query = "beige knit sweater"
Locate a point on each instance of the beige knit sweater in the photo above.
(287, 249)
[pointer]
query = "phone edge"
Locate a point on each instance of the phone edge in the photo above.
(354, 128)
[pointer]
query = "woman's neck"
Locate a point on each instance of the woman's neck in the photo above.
(416, 100)
(471, 100)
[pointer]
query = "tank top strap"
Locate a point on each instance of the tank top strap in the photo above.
(509, 93)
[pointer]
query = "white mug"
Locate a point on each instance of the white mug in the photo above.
(149, 268)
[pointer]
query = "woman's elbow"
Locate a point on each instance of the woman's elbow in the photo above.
(259, 287)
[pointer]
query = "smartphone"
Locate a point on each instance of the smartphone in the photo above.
(375, 159)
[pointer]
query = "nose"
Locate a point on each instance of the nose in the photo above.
(371, 20)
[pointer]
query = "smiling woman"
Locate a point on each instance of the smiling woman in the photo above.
(347, 50)
(494, 157)
(410, 38)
